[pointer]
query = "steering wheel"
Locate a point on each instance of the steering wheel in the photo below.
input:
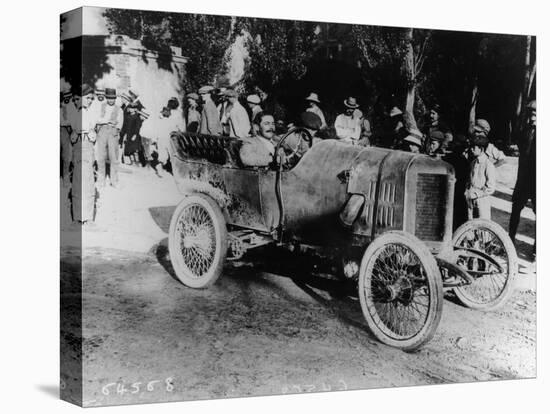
(290, 155)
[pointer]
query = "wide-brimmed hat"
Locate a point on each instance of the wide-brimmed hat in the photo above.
(313, 97)
(100, 91)
(413, 139)
(351, 102)
(205, 89)
(143, 114)
(130, 96)
(193, 96)
(110, 93)
(253, 99)
(67, 94)
(395, 111)
(482, 126)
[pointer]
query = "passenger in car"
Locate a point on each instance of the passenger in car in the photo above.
(258, 150)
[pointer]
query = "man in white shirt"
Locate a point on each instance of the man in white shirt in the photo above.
(482, 129)
(348, 127)
(258, 150)
(109, 122)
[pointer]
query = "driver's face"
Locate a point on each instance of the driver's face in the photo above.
(267, 127)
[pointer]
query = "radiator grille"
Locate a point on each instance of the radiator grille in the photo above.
(430, 206)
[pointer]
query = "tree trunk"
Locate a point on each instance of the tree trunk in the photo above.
(523, 94)
(410, 72)
(473, 107)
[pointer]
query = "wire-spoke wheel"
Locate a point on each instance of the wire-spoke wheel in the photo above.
(486, 252)
(197, 241)
(400, 290)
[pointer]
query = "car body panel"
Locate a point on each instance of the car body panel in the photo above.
(321, 195)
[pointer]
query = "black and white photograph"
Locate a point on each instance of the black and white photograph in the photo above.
(255, 207)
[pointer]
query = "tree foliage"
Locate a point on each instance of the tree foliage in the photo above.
(204, 39)
(277, 49)
(468, 74)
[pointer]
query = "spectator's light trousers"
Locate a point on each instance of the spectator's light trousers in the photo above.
(107, 149)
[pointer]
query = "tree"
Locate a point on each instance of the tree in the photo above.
(278, 49)
(204, 39)
(395, 51)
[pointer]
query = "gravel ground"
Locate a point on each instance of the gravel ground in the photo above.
(148, 338)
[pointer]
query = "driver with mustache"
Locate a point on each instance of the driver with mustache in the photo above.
(258, 150)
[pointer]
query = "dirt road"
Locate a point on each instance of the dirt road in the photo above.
(148, 338)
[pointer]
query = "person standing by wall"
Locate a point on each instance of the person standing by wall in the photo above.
(83, 191)
(131, 137)
(108, 127)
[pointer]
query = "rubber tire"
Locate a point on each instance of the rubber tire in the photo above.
(434, 282)
(220, 230)
(461, 293)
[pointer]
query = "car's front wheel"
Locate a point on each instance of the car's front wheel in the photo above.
(197, 241)
(400, 290)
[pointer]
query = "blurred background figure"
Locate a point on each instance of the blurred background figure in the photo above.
(346, 125)
(526, 183)
(313, 106)
(193, 114)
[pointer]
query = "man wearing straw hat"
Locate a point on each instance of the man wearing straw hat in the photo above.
(108, 127)
(313, 106)
(348, 128)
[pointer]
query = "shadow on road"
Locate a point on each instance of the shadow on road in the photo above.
(162, 216)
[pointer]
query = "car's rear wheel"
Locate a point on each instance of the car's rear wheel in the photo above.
(486, 252)
(400, 290)
(197, 241)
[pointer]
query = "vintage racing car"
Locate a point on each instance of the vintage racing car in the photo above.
(387, 216)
